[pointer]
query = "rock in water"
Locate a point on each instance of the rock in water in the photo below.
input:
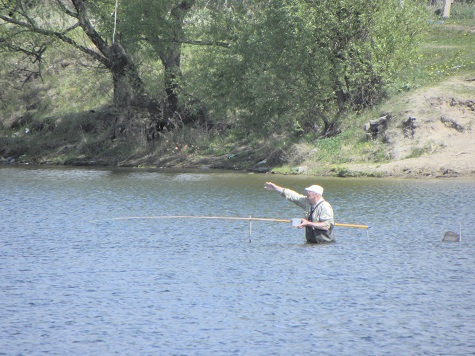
(451, 236)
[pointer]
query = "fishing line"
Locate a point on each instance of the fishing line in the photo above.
(250, 228)
(115, 20)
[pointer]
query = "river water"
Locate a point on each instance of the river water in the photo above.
(75, 280)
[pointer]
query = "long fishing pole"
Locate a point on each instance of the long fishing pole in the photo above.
(357, 226)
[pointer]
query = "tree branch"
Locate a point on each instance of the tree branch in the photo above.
(66, 10)
(206, 43)
(60, 35)
(88, 27)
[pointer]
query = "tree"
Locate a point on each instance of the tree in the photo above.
(158, 24)
(160, 29)
(70, 21)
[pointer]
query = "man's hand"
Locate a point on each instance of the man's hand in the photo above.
(269, 186)
(272, 186)
(315, 225)
(303, 223)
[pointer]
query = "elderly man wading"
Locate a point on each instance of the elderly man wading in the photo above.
(319, 222)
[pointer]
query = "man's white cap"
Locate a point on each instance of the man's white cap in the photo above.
(315, 189)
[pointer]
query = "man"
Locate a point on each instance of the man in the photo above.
(319, 222)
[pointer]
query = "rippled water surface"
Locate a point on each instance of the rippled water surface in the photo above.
(74, 280)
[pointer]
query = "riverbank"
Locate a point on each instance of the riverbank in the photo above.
(438, 143)
(449, 163)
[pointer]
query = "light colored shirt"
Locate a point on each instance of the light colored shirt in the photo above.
(322, 213)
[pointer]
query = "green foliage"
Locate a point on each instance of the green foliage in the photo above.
(104, 14)
(290, 67)
(447, 50)
(296, 66)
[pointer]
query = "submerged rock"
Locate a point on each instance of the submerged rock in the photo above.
(451, 236)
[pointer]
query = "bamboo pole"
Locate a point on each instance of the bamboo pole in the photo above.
(357, 226)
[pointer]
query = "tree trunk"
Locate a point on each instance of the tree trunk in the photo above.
(128, 87)
(338, 87)
(170, 54)
(171, 62)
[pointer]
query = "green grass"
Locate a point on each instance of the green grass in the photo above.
(447, 50)
(463, 12)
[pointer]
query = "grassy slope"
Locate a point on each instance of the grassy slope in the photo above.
(448, 58)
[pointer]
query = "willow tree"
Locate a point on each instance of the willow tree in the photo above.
(76, 23)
